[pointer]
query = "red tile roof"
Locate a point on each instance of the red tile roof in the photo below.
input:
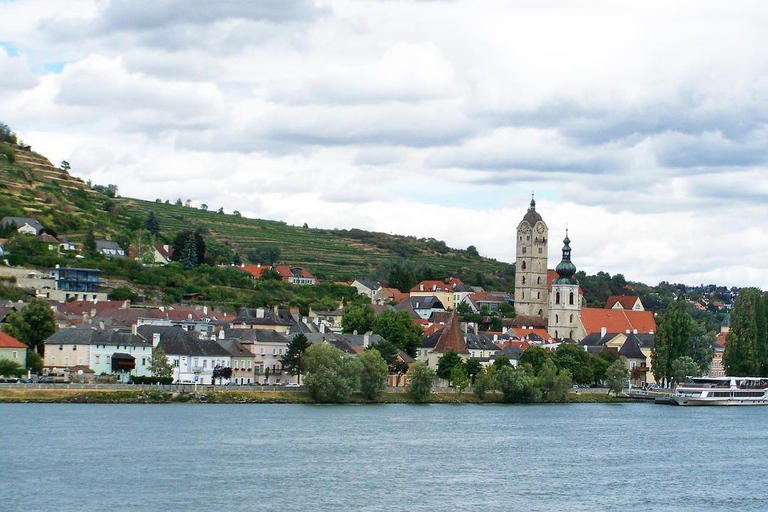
(452, 338)
(394, 294)
(431, 286)
(626, 301)
(8, 341)
(255, 270)
(617, 320)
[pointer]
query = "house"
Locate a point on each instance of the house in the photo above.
(110, 249)
(163, 253)
(432, 288)
(596, 320)
(13, 350)
(74, 284)
(104, 351)
(389, 296)
(45, 238)
(276, 319)
(242, 360)
(289, 274)
(367, 288)
(450, 337)
(24, 225)
(630, 302)
(636, 347)
(193, 359)
(268, 347)
(638, 363)
(66, 245)
(425, 305)
(488, 301)
(481, 346)
(331, 319)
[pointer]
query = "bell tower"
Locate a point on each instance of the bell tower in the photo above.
(564, 299)
(531, 265)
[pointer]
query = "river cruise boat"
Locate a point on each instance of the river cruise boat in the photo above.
(722, 391)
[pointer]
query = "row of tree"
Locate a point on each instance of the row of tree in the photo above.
(746, 347)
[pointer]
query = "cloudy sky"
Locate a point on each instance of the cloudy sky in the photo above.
(641, 126)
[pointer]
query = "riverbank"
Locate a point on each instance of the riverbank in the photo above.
(150, 396)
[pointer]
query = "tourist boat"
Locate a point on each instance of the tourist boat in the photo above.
(722, 391)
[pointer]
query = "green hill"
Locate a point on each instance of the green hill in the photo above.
(32, 186)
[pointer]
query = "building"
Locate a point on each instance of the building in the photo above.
(565, 298)
(242, 360)
(24, 225)
(110, 249)
(13, 350)
(443, 292)
(630, 302)
(75, 284)
(103, 351)
(531, 265)
(193, 359)
(367, 288)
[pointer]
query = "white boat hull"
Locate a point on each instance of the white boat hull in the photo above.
(686, 400)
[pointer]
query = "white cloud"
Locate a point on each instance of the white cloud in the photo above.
(640, 125)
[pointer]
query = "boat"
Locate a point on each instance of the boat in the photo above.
(722, 391)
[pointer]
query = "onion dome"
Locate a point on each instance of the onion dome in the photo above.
(566, 269)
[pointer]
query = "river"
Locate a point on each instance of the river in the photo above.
(178, 457)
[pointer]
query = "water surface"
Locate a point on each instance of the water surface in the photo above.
(73, 457)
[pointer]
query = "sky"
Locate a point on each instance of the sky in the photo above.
(639, 126)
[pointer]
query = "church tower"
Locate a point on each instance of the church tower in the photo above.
(564, 299)
(531, 265)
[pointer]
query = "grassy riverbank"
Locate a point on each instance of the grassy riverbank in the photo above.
(145, 396)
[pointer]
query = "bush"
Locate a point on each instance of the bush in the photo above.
(135, 379)
(420, 378)
(331, 375)
(373, 378)
(517, 386)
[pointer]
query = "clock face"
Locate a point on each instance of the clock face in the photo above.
(525, 228)
(540, 228)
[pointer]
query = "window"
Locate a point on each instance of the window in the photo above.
(557, 298)
(262, 350)
(97, 358)
(540, 250)
(557, 319)
(524, 250)
(205, 363)
(571, 319)
(274, 351)
(523, 279)
(538, 280)
(249, 367)
(143, 361)
(61, 347)
(15, 355)
(570, 298)
(523, 265)
(79, 360)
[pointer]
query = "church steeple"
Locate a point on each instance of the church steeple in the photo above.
(533, 203)
(566, 269)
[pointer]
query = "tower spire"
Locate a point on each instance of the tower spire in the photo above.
(533, 202)
(566, 269)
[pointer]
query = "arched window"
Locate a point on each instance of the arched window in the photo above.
(571, 320)
(556, 335)
(523, 265)
(557, 320)
(570, 298)
(557, 298)
(523, 279)
(541, 313)
(538, 295)
(538, 280)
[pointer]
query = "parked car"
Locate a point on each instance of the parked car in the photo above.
(30, 380)
(9, 379)
(48, 379)
(291, 385)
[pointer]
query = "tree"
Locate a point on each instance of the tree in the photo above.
(485, 381)
(330, 375)
(672, 338)
(517, 386)
(617, 375)
(292, 360)
(577, 361)
(683, 367)
(373, 376)
(447, 362)
(159, 366)
(420, 379)
(266, 255)
(220, 210)
(357, 319)
(472, 252)
(535, 356)
(203, 206)
(152, 223)
(459, 378)
(501, 361)
(10, 368)
(89, 244)
(35, 362)
(555, 385)
(397, 327)
(473, 367)
(599, 367)
(143, 246)
(742, 347)
(64, 166)
(236, 213)
(33, 325)
(189, 248)
(701, 348)
(221, 373)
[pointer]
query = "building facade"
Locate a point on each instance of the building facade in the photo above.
(531, 265)
(564, 299)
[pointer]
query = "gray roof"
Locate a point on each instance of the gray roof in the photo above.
(631, 348)
(512, 353)
(269, 317)
(108, 244)
(480, 341)
(20, 221)
(256, 336)
(431, 340)
(90, 335)
(463, 288)
(371, 285)
(235, 348)
(175, 340)
(429, 302)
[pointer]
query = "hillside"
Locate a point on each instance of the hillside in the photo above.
(66, 205)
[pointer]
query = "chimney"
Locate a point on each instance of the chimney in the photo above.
(155, 339)
(495, 337)
(205, 310)
(221, 334)
(421, 287)
(650, 332)
(603, 331)
(101, 325)
(354, 333)
(463, 327)
(322, 329)
(627, 331)
(274, 309)
(634, 331)
(366, 340)
(475, 325)
(504, 330)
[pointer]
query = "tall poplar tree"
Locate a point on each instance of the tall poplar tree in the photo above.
(743, 346)
(673, 339)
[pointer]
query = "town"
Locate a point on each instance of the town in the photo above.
(457, 333)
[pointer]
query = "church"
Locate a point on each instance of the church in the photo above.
(553, 298)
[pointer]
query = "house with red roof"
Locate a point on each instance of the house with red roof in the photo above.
(13, 350)
(631, 302)
(287, 273)
(594, 320)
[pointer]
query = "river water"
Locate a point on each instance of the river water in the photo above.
(72, 457)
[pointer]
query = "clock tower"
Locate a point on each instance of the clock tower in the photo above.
(531, 265)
